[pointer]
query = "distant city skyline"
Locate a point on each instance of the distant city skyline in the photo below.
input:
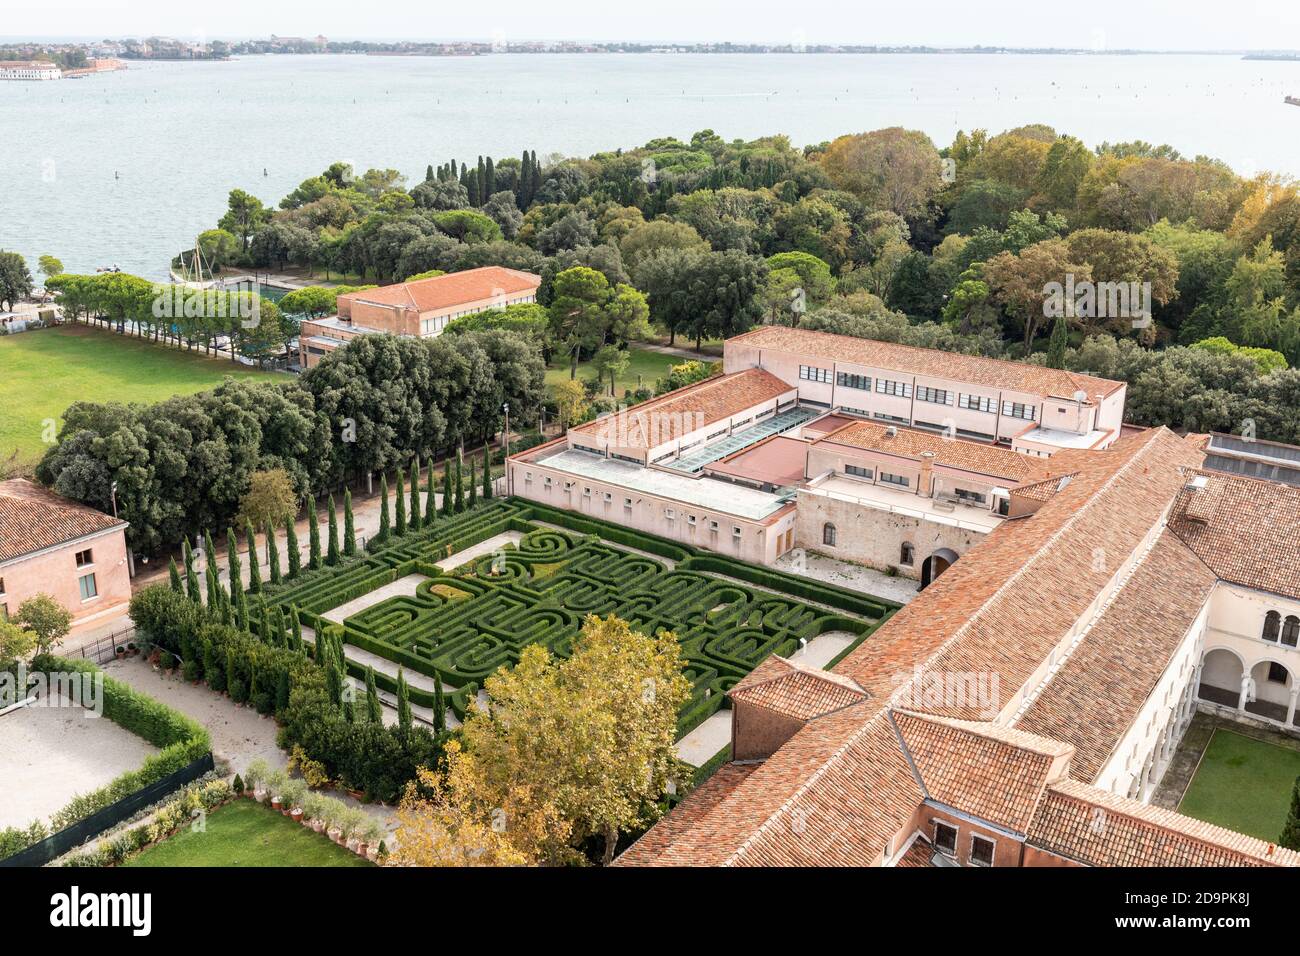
(1106, 24)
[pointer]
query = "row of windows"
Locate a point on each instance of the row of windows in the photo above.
(900, 389)
(936, 396)
(670, 514)
(890, 479)
(978, 403)
(848, 380)
(1016, 410)
(1275, 629)
(981, 847)
(810, 373)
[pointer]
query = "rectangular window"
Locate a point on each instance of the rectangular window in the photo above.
(735, 532)
(848, 380)
(945, 838)
(972, 496)
(670, 514)
(810, 373)
(978, 403)
(1016, 410)
(901, 480)
(85, 558)
(935, 396)
(981, 850)
(899, 389)
(2, 585)
(87, 585)
(859, 472)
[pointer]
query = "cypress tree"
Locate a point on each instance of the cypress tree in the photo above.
(430, 500)
(211, 672)
(282, 691)
(439, 705)
(1058, 343)
(332, 555)
(349, 526)
(313, 536)
(291, 546)
(403, 703)
(265, 630)
(374, 710)
(1290, 837)
(401, 504)
(384, 521)
(333, 683)
(234, 574)
(211, 575)
(446, 489)
(272, 554)
(174, 576)
(489, 179)
(458, 488)
(254, 568)
(191, 576)
(295, 628)
(428, 173)
(487, 473)
(415, 494)
(536, 185)
(277, 629)
(209, 551)
(473, 486)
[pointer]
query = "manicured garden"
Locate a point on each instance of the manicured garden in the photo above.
(648, 364)
(244, 833)
(463, 625)
(1243, 784)
(46, 370)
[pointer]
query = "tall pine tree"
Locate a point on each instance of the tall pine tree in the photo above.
(332, 552)
(416, 517)
(234, 573)
(313, 536)
(446, 488)
(430, 499)
(400, 524)
(272, 554)
(385, 522)
(291, 546)
(349, 525)
(254, 568)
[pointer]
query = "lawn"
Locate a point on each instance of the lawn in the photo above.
(46, 370)
(1243, 784)
(646, 363)
(245, 833)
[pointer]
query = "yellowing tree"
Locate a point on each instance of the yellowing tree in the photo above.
(455, 818)
(594, 733)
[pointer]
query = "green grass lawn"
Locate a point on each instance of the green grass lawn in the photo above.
(1243, 784)
(245, 833)
(648, 364)
(46, 370)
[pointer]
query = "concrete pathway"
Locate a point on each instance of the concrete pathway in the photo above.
(845, 574)
(402, 587)
(824, 648)
(697, 747)
(492, 544)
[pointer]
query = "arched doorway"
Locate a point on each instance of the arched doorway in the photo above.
(1221, 672)
(936, 564)
(1272, 684)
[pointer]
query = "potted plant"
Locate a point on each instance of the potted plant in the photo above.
(255, 779)
(372, 835)
(315, 809)
(291, 797)
(119, 652)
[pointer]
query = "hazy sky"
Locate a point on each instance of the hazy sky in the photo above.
(1113, 24)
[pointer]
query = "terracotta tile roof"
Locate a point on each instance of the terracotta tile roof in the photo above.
(455, 288)
(32, 518)
(1011, 599)
(1043, 488)
(696, 805)
(977, 457)
(971, 369)
(1244, 529)
(786, 687)
(918, 854)
(1098, 828)
(1092, 700)
(991, 772)
(697, 406)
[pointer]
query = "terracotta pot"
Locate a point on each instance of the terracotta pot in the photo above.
(316, 825)
(362, 849)
(275, 803)
(372, 854)
(296, 813)
(335, 834)
(259, 795)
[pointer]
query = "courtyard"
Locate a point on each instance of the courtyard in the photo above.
(1240, 777)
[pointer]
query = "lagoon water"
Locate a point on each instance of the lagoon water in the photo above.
(126, 168)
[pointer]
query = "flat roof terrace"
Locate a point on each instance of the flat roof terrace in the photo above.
(776, 461)
(708, 494)
(905, 503)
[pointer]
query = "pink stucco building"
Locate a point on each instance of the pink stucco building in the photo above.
(54, 546)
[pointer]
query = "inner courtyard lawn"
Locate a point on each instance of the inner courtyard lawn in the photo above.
(1243, 784)
(46, 370)
(245, 833)
(647, 363)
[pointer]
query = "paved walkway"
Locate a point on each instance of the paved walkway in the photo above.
(402, 587)
(846, 574)
(697, 747)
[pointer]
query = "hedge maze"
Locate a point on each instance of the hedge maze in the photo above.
(464, 624)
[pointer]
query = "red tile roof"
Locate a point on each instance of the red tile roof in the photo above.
(977, 457)
(696, 805)
(1098, 691)
(32, 519)
(694, 406)
(788, 688)
(1098, 828)
(455, 288)
(1243, 528)
(971, 369)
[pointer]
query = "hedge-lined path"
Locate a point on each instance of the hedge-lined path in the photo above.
(707, 739)
(404, 586)
(240, 735)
